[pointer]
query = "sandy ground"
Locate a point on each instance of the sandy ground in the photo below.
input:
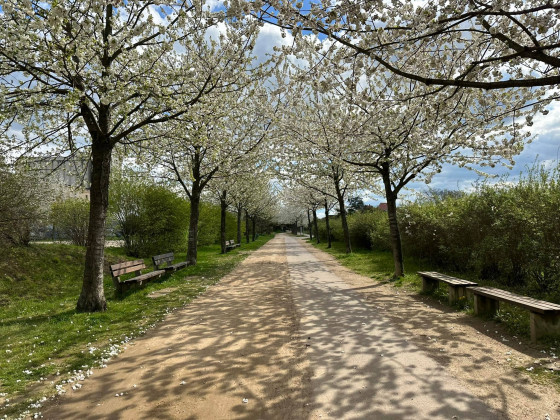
(476, 352)
(290, 334)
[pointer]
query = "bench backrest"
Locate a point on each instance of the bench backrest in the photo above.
(127, 267)
(162, 259)
(229, 242)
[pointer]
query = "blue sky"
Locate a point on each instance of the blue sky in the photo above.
(545, 148)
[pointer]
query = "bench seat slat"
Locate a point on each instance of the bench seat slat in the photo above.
(523, 301)
(142, 277)
(446, 279)
(176, 267)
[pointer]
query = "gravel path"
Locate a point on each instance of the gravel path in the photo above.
(290, 334)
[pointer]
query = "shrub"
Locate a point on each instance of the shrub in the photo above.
(368, 229)
(151, 219)
(508, 232)
(23, 206)
(209, 224)
(70, 218)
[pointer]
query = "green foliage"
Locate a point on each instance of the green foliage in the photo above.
(355, 204)
(368, 229)
(507, 233)
(22, 206)
(209, 224)
(70, 218)
(150, 218)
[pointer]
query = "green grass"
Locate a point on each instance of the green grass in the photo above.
(43, 338)
(374, 264)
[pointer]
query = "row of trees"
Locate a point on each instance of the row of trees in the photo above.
(388, 94)
(169, 83)
(150, 218)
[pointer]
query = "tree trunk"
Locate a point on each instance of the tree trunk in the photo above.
(239, 210)
(396, 244)
(192, 251)
(309, 226)
(92, 296)
(247, 226)
(223, 210)
(328, 224)
(254, 232)
(345, 230)
(315, 225)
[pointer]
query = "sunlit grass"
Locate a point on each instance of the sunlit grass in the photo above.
(378, 265)
(43, 338)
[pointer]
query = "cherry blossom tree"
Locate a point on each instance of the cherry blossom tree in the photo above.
(290, 210)
(218, 133)
(478, 44)
(107, 71)
(260, 203)
(403, 131)
(316, 136)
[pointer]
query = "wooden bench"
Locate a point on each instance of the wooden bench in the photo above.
(117, 270)
(545, 316)
(167, 259)
(456, 288)
(231, 245)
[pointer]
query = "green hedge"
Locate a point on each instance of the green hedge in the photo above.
(152, 219)
(507, 234)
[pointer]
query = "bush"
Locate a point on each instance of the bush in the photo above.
(70, 218)
(368, 229)
(150, 218)
(209, 224)
(23, 206)
(507, 233)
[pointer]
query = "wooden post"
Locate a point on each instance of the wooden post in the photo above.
(485, 306)
(455, 293)
(429, 285)
(544, 324)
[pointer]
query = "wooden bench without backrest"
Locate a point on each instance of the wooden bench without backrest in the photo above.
(545, 316)
(117, 270)
(456, 288)
(167, 259)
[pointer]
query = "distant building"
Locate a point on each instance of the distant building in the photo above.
(69, 177)
(382, 207)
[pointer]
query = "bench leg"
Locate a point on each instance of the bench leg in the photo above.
(544, 324)
(118, 287)
(485, 306)
(455, 293)
(429, 285)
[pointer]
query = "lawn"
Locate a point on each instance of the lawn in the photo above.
(47, 347)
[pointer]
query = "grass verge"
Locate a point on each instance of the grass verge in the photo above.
(46, 346)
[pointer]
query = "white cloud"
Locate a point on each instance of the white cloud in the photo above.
(269, 37)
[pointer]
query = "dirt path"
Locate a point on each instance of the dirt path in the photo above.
(294, 335)
(481, 355)
(237, 341)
